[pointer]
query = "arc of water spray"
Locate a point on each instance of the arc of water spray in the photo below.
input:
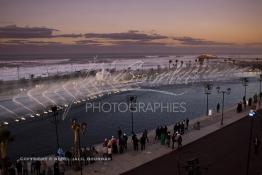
(8, 110)
(33, 98)
(60, 96)
(87, 78)
(70, 94)
(173, 76)
(180, 75)
(74, 98)
(78, 91)
(67, 91)
(48, 98)
(121, 74)
(20, 104)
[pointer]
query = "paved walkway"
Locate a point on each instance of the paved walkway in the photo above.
(131, 159)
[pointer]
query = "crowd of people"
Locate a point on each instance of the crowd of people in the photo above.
(35, 167)
(165, 137)
(244, 103)
(110, 146)
(51, 165)
(119, 145)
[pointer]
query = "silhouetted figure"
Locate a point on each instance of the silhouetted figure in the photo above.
(218, 107)
(179, 141)
(119, 132)
(125, 138)
(256, 145)
(163, 137)
(187, 123)
(165, 130)
(143, 142)
(239, 107)
(157, 136)
(114, 145)
(135, 142)
(25, 168)
(168, 139)
(121, 144)
(249, 101)
(244, 102)
(174, 140)
(19, 167)
(182, 127)
(68, 156)
(145, 135)
(56, 168)
(32, 166)
(11, 170)
(37, 167)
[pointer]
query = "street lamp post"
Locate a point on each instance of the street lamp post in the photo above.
(260, 80)
(245, 84)
(78, 128)
(55, 121)
(131, 103)
(252, 115)
(208, 90)
(223, 92)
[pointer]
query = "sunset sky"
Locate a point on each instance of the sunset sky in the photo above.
(130, 25)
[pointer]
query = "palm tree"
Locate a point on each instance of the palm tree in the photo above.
(5, 138)
(182, 62)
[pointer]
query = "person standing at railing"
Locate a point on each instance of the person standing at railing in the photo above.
(218, 107)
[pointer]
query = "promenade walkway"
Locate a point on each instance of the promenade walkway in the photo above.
(131, 159)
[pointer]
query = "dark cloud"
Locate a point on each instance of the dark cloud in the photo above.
(42, 42)
(196, 41)
(13, 31)
(138, 43)
(130, 35)
(88, 42)
(119, 42)
(14, 42)
(27, 42)
(68, 36)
